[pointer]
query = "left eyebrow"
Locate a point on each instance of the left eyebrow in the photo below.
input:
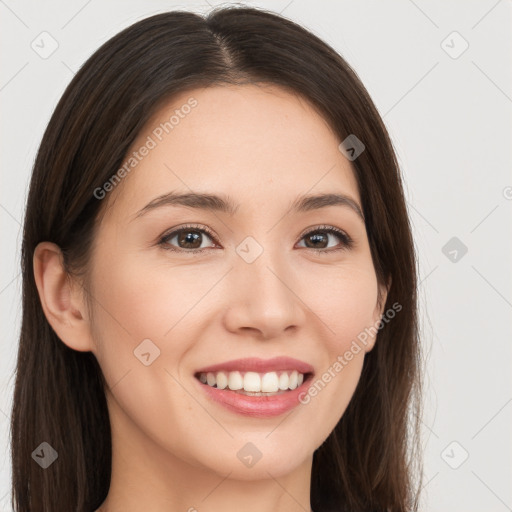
(222, 203)
(315, 202)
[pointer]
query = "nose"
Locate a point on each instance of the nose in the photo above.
(262, 299)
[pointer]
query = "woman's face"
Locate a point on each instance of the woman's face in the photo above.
(270, 281)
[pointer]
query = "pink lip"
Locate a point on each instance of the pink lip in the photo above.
(257, 406)
(254, 364)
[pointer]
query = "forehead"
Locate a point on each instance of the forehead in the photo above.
(259, 144)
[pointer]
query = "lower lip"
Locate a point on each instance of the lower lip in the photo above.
(257, 406)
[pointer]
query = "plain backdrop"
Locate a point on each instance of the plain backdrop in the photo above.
(440, 75)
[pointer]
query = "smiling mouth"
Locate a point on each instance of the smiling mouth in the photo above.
(254, 383)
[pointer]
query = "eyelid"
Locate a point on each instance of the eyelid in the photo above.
(323, 227)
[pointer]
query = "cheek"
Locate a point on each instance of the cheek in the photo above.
(346, 307)
(128, 309)
(347, 303)
(136, 302)
(139, 298)
(143, 299)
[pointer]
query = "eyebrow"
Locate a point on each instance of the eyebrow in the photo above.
(224, 204)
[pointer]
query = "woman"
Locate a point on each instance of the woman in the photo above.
(219, 282)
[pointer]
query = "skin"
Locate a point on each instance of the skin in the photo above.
(174, 449)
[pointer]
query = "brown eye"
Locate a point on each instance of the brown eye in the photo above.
(187, 239)
(319, 239)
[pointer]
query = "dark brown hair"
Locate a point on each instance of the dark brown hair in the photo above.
(371, 459)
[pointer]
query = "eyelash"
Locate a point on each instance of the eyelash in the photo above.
(346, 241)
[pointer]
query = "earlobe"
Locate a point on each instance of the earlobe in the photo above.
(62, 303)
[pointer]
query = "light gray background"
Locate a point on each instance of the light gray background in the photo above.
(450, 122)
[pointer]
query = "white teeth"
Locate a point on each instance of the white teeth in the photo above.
(293, 380)
(283, 381)
(222, 380)
(252, 382)
(235, 381)
(270, 382)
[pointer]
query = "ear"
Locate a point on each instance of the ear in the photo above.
(61, 297)
(382, 296)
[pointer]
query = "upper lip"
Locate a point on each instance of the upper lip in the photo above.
(255, 364)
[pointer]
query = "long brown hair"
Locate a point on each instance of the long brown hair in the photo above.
(371, 459)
